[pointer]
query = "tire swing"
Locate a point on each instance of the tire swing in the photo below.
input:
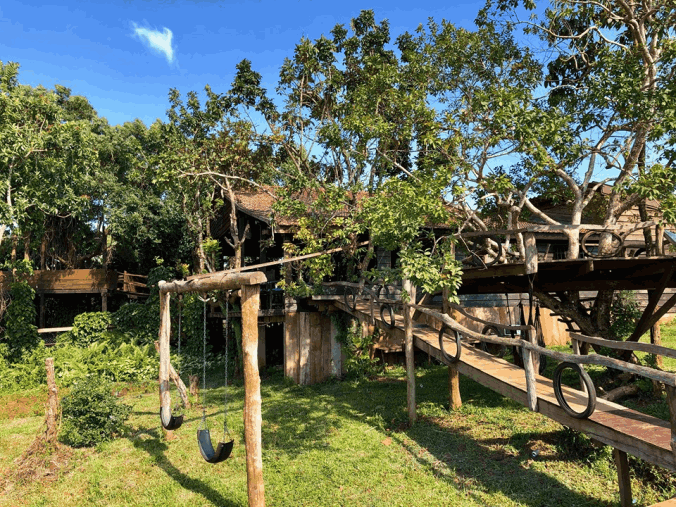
(224, 448)
(588, 384)
(451, 359)
(170, 421)
(386, 310)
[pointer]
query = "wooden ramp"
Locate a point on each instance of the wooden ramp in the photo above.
(640, 435)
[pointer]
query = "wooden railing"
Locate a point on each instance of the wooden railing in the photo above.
(132, 284)
(527, 344)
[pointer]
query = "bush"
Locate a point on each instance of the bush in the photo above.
(91, 414)
(88, 328)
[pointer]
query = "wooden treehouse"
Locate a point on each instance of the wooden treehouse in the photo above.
(97, 283)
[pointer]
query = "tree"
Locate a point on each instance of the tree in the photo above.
(46, 156)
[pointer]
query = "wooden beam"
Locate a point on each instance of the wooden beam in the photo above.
(454, 398)
(410, 353)
(220, 280)
(644, 324)
(620, 345)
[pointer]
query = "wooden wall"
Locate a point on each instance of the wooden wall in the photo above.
(65, 281)
(311, 352)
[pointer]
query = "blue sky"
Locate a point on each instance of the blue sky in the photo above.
(125, 55)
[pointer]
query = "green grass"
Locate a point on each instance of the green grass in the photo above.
(338, 443)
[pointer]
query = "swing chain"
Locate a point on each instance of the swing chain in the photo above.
(226, 432)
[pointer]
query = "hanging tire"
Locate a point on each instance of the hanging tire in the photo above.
(451, 359)
(350, 297)
(591, 391)
(381, 292)
(591, 238)
(492, 348)
(386, 311)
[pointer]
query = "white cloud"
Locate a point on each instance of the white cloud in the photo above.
(156, 40)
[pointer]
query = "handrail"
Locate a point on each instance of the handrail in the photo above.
(561, 228)
(659, 376)
(622, 345)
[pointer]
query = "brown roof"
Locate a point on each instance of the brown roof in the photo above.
(258, 202)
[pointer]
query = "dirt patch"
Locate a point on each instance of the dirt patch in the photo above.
(12, 407)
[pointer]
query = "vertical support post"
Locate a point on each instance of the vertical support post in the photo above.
(42, 310)
(576, 350)
(52, 430)
(410, 353)
(336, 356)
(104, 301)
(623, 478)
(165, 330)
(529, 368)
(671, 401)
(531, 251)
(454, 399)
(252, 396)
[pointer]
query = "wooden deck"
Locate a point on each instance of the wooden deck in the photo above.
(637, 434)
(83, 281)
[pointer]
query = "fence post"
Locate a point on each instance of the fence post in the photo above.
(410, 353)
(529, 368)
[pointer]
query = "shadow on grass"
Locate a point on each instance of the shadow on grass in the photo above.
(308, 415)
(156, 449)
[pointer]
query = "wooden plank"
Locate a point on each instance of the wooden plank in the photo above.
(326, 347)
(620, 345)
(54, 329)
(304, 348)
(336, 352)
(315, 353)
(291, 346)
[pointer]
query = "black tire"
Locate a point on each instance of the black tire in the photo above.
(350, 297)
(591, 391)
(389, 322)
(451, 359)
(492, 348)
(595, 236)
(382, 292)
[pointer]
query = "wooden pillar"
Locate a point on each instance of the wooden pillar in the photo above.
(165, 330)
(454, 400)
(304, 348)
(529, 369)
(291, 346)
(52, 431)
(671, 401)
(623, 478)
(41, 320)
(104, 301)
(410, 353)
(336, 349)
(252, 396)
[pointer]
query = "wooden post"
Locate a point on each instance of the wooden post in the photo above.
(252, 396)
(165, 330)
(42, 310)
(529, 368)
(576, 350)
(454, 400)
(671, 401)
(410, 353)
(656, 339)
(52, 431)
(104, 301)
(531, 252)
(623, 478)
(336, 356)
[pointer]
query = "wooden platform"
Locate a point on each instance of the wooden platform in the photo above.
(637, 434)
(70, 281)
(581, 274)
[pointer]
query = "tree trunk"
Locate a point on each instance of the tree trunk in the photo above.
(27, 246)
(656, 339)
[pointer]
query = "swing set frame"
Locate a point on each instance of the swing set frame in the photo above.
(249, 287)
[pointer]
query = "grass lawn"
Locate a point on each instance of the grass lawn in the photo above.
(338, 443)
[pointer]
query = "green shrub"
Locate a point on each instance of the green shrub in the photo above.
(88, 328)
(625, 312)
(358, 361)
(91, 414)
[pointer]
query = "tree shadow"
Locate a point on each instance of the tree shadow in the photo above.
(307, 424)
(156, 449)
